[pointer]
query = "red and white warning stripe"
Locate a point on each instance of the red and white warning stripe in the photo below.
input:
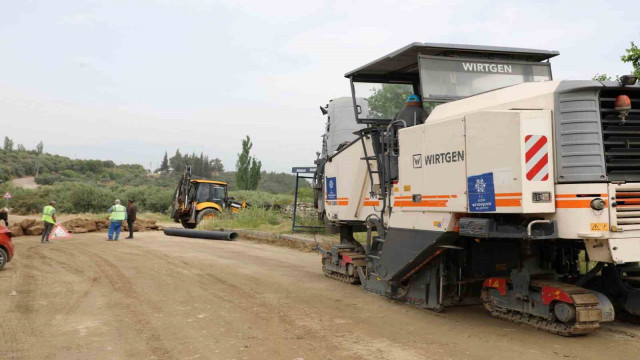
(536, 157)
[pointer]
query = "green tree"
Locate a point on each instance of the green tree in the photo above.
(247, 167)
(255, 174)
(387, 100)
(21, 147)
(601, 77)
(216, 166)
(177, 162)
(40, 148)
(164, 165)
(632, 56)
(8, 144)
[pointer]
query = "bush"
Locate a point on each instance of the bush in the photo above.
(304, 194)
(262, 199)
(68, 174)
(253, 218)
(75, 197)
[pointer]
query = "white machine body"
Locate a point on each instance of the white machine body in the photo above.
(492, 153)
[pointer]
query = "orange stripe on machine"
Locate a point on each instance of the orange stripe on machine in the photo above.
(571, 196)
(512, 199)
(371, 202)
(574, 204)
(508, 202)
(509, 195)
(423, 203)
(407, 201)
(577, 201)
(338, 202)
(426, 201)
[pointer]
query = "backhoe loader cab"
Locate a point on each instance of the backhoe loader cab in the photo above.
(196, 200)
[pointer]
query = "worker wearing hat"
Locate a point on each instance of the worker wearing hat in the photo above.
(413, 112)
(48, 220)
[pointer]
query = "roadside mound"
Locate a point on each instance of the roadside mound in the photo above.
(80, 225)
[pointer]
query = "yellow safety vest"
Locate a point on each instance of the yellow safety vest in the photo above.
(46, 214)
(118, 213)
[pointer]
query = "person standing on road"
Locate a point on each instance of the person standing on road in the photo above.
(132, 210)
(118, 215)
(48, 220)
(4, 215)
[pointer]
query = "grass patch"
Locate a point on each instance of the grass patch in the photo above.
(258, 219)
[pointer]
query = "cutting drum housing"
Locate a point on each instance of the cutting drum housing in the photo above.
(501, 187)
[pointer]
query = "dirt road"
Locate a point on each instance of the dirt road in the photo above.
(159, 297)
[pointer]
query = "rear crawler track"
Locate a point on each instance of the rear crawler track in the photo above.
(353, 280)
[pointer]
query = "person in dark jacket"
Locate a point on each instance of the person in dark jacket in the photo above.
(413, 113)
(4, 215)
(132, 210)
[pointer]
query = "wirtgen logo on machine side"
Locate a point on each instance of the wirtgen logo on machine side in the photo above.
(417, 161)
(442, 158)
(492, 68)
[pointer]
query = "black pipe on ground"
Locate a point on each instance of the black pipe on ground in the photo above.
(209, 235)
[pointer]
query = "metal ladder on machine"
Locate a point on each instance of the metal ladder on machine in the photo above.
(376, 242)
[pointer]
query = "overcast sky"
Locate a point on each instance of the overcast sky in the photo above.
(129, 80)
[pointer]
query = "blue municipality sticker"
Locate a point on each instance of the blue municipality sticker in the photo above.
(332, 188)
(482, 196)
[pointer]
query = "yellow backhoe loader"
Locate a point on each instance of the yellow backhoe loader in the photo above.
(196, 200)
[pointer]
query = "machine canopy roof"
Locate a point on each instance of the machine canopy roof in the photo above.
(402, 65)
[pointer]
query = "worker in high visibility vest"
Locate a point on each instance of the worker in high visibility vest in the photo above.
(118, 215)
(48, 220)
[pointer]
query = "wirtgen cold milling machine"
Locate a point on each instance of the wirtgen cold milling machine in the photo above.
(499, 196)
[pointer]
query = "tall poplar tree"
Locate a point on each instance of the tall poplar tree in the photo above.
(248, 168)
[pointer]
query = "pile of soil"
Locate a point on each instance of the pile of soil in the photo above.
(80, 226)
(27, 227)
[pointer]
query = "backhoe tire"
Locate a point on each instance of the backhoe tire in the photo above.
(187, 225)
(207, 214)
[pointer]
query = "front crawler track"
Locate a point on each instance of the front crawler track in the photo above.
(543, 324)
(587, 322)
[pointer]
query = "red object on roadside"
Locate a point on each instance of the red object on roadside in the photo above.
(6, 245)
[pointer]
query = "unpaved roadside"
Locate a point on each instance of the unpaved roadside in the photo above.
(25, 182)
(161, 297)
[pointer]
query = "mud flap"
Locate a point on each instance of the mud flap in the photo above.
(605, 305)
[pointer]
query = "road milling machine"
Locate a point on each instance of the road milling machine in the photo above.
(339, 132)
(516, 191)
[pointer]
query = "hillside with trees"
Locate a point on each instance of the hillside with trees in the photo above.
(92, 185)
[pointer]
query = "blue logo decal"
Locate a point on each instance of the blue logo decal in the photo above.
(482, 196)
(332, 188)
